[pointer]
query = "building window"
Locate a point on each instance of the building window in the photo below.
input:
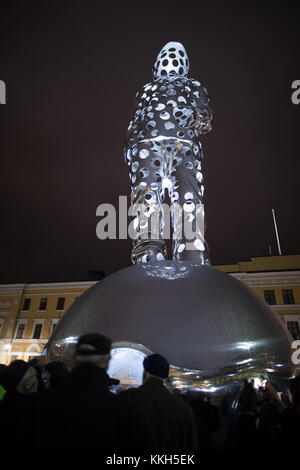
(270, 297)
(20, 330)
(60, 303)
(288, 296)
(54, 323)
(293, 327)
(26, 304)
(43, 303)
(37, 330)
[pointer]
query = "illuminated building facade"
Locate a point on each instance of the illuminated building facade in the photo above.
(30, 312)
(277, 280)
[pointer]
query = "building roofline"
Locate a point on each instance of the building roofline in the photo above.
(10, 289)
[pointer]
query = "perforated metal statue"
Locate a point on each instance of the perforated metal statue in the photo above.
(164, 153)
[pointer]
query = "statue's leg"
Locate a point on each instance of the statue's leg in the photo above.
(188, 215)
(145, 160)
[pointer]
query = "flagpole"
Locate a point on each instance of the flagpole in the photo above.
(276, 231)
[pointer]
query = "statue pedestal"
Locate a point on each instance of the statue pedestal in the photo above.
(212, 328)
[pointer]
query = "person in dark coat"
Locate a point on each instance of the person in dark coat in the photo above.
(169, 420)
(83, 413)
(19, 383)
(207, 418)
(288, 415)
(290, 418)
(58, 373)
(3, 367)
(246, 433)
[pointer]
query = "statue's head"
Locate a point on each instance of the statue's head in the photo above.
(172, 60)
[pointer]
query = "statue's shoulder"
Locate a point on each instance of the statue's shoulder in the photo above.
(198, 91)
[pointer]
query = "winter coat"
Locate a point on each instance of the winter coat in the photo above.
(84, 414)
(169, 420)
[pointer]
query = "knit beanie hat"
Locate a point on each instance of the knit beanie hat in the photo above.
(157, 365)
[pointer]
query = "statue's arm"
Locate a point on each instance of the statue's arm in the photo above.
(204, 114)
(132, 124)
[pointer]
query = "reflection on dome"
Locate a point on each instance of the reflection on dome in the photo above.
(175, 270)
(126, 365)
(214, 331)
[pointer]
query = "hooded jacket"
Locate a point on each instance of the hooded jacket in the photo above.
(171, 105)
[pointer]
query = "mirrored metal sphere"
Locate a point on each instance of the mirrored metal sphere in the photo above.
(213, 329)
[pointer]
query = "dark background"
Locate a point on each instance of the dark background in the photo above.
(72, 69)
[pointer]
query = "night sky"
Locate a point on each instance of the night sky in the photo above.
(72, 69)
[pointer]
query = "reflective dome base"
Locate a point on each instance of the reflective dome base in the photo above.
(211, 327)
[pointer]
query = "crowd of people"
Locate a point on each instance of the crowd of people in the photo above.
(45, 405)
